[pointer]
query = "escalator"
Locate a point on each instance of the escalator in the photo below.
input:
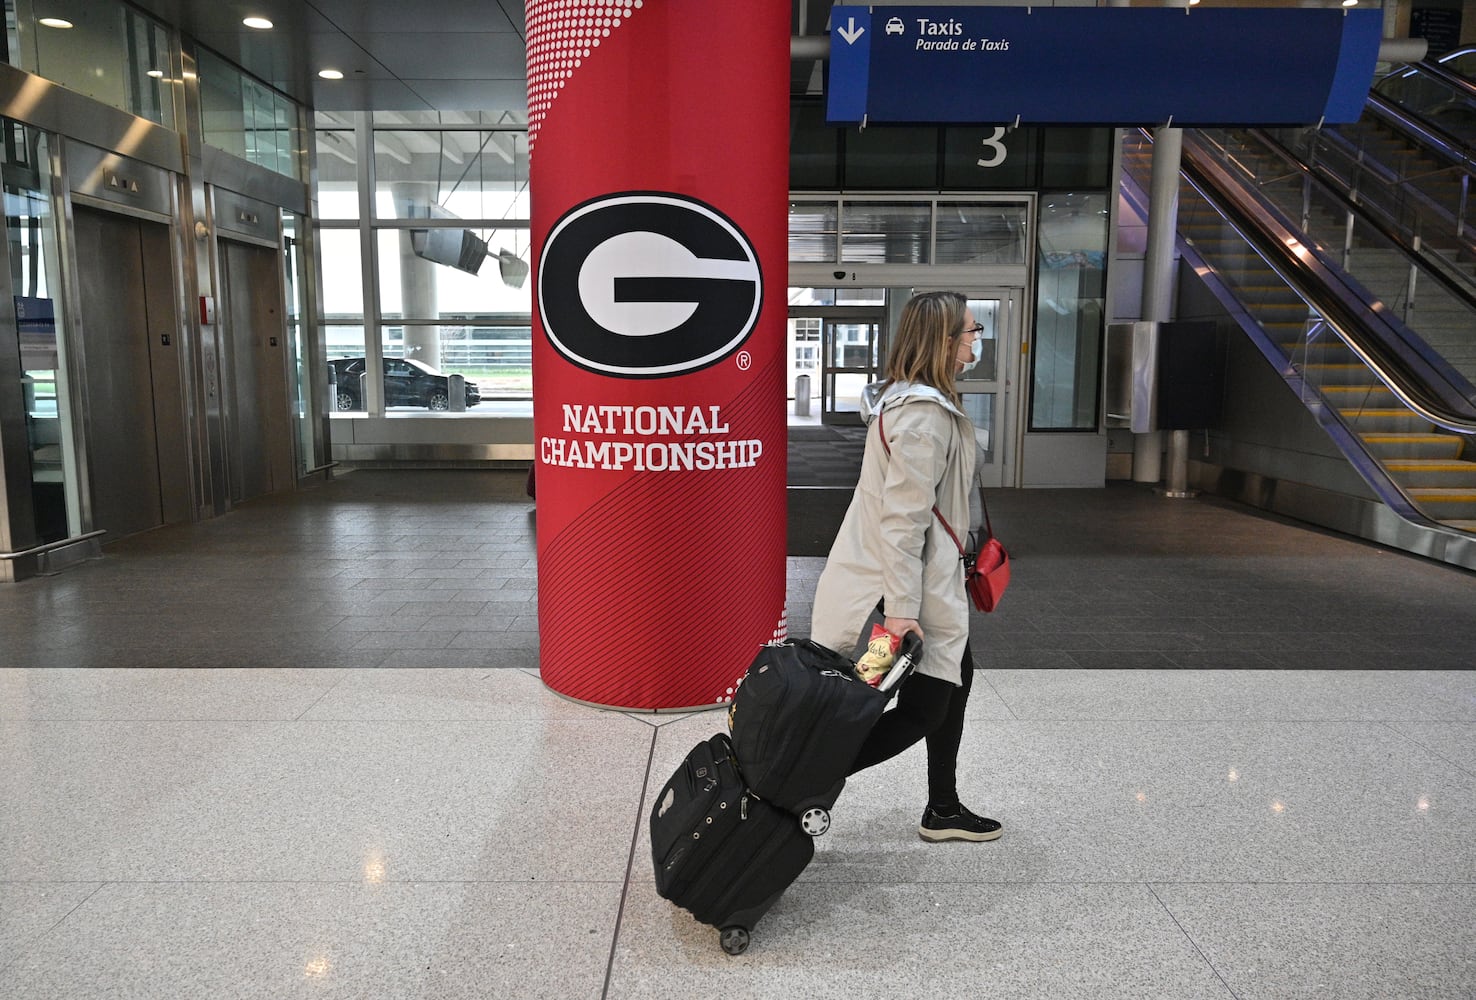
(1377, 342)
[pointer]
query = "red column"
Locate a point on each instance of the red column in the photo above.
(658, 133)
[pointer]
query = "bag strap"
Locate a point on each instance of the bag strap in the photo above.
(881, 432)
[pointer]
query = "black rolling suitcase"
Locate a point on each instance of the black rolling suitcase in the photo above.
(720, 851)
(799, 718)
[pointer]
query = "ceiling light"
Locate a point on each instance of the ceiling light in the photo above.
(1350, 3)
(56, 22)
(331, 74)
(156, 73)
(259, 23)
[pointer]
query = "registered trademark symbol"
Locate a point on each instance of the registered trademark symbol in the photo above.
(745, 361)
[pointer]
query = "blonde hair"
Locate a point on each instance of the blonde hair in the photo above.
(925, 343)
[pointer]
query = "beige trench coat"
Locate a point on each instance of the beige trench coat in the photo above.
(891, 546)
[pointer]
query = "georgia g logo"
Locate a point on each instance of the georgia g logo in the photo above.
(645, 284)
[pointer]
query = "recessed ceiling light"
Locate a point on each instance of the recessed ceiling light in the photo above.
(259, 23)
(56, 22)
(331, 74)
(156, 73)
(1350, 3)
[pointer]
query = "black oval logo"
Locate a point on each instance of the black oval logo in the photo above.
(647, 284)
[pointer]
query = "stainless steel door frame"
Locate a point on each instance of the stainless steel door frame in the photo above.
(118, 393)
(989, 387)
(850, 359)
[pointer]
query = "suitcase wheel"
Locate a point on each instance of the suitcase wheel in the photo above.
(734, 940)
(815, 821)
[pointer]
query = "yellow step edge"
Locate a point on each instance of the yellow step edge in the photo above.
(1443, 496)
(1429, 465)
(1410, 438)
(1380, 412)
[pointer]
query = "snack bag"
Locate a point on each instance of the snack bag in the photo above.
(881, 649)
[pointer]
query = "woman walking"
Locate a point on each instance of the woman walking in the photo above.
(892, 548)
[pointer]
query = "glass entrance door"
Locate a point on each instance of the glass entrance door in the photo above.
(850, 353)
(988, 386)
(836, 339)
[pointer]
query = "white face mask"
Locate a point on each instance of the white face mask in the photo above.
(978, 355)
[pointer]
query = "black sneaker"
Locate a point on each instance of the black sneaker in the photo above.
(957, 823)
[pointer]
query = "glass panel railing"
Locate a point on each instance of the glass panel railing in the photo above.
(1435, 95)
(1388, 175)
(1353, 236)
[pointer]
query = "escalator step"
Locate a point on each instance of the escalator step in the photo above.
(1429, 465)
(1384, 420)
(1446, 504)
(1414, 446)
(1456, 495)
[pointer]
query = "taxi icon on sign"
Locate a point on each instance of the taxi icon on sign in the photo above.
(894, 26)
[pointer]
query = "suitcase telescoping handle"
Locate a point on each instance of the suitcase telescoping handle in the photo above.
(907, 655)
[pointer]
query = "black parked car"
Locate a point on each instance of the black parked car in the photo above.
(406, 383)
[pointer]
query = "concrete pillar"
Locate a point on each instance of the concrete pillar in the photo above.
(417, 278)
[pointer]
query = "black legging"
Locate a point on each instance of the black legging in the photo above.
(926, 708)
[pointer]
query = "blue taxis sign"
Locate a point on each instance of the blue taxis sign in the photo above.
(1100, 65)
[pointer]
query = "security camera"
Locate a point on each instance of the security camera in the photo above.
(839, 275)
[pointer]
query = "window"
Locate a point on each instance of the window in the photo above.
(1070, 306)
(450, 225)
(244, 117)
(112, 53)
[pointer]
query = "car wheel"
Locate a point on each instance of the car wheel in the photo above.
(346, 401)
(436, 401)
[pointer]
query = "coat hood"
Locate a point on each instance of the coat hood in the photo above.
(878, 394)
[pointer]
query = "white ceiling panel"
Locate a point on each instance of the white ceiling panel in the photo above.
(449, 95)
(427, 15)
(433, 55)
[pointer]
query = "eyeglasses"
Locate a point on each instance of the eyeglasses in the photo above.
(971, 332)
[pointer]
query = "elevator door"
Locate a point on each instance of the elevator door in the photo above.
(257, 422)
(137, 457)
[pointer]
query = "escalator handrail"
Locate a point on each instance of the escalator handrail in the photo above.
(1393, 351)
(1431, 67)
(1433, 265)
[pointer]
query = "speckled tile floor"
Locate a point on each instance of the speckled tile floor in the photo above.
(303, 751)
